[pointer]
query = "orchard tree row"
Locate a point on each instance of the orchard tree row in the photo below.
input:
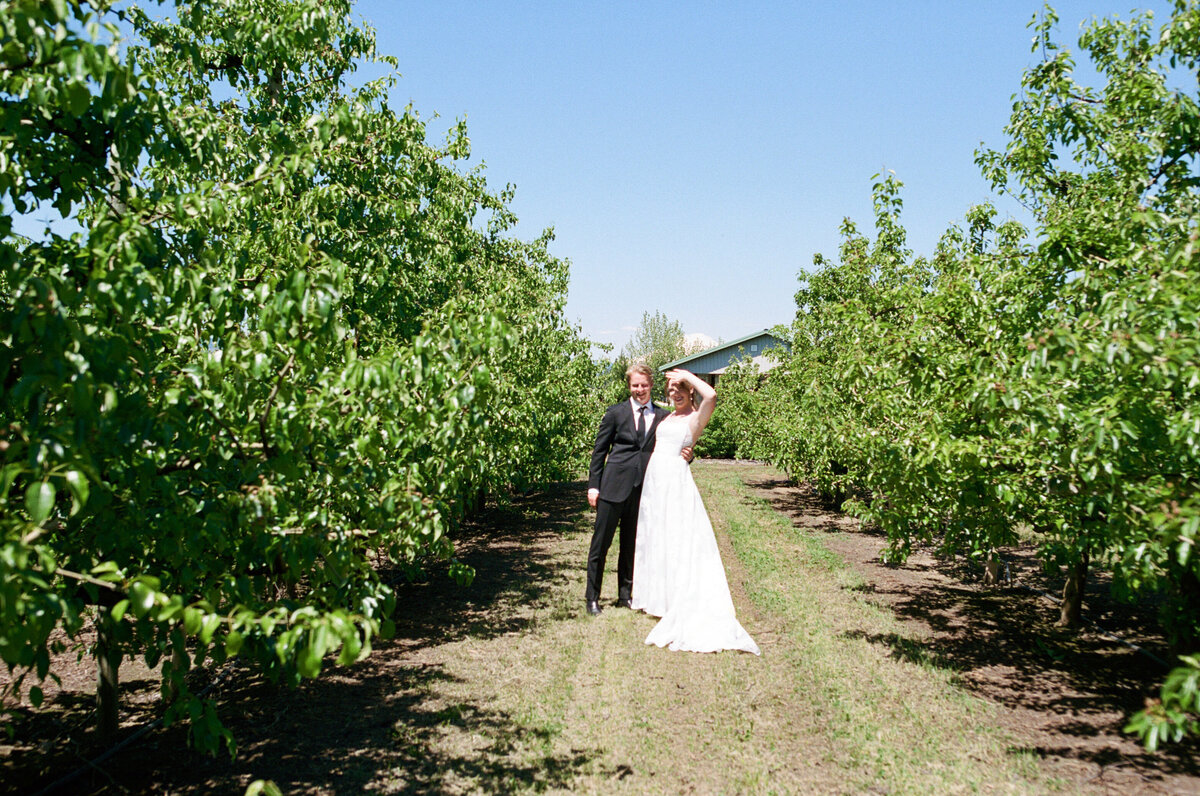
(1045, 387)
(284, 343)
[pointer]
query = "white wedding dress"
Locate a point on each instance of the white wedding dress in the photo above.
(677, 570)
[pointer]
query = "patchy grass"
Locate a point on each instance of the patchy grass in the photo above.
(825, 709)
(892, 722)
(510, 686)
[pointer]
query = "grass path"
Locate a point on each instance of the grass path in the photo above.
(823, 710)
(510, 687)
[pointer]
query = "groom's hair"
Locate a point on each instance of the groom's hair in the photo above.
(639, 367)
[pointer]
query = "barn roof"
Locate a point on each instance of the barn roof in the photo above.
(763, 363)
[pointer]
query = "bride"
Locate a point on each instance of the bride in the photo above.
(677, 570)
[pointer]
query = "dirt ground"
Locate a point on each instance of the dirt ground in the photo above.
(1064, 694)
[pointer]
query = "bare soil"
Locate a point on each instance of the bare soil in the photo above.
(375, 725)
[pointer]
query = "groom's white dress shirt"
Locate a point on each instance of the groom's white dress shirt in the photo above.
(641, 409)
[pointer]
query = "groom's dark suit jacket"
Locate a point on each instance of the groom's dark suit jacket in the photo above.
(618, 462)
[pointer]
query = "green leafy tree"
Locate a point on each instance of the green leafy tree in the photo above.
(656, 341)
(289, 346)
(1052, 383)
(723, 437)
(1119, 355)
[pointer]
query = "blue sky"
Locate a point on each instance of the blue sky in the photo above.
(693, 156)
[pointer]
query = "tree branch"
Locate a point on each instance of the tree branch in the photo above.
(227, 429)
(268, 451)
(66, 573)
(184, 463)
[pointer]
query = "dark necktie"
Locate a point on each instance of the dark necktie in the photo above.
(641, 425)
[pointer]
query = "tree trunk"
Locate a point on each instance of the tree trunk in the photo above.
(991, 574)
(275, 85)
(107, 689)
(179, 666)
(1072, 602)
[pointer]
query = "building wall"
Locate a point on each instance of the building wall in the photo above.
(722, 357)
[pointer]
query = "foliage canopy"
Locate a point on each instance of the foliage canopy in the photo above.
(1003, 383)
(289, 346)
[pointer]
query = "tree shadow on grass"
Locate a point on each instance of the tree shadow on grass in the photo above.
(389, 728)
(804, 505)
(1001, 644)
(392, 722)
(514, 570)
(1070, 691)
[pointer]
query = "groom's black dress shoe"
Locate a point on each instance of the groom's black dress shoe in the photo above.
(624, 603)
(593, 607)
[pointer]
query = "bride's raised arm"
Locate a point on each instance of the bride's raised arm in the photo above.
(706, 398)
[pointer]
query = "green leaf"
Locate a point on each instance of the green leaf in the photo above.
(109, 400)
(39, 501)
(208, 627)
(36, 696)
(7, 475)
(78, 98)
(263, 787)
(141, 598)
(351, 647)
(78, 486)
(309, 661)
(118, 610)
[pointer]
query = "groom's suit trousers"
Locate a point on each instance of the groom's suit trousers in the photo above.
(609, 517)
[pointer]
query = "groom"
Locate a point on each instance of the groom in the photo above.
(623, 447)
